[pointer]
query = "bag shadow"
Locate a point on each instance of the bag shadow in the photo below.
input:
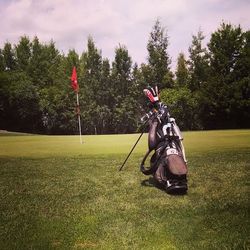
(151, 182)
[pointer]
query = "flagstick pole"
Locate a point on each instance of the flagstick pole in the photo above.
(79, 118)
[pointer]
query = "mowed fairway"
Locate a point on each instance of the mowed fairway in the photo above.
(58, 194)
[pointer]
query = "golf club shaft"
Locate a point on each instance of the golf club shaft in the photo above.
(131, 151)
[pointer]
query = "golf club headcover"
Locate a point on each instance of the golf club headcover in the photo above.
(152, 94)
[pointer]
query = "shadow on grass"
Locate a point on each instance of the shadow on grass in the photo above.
(151, 182)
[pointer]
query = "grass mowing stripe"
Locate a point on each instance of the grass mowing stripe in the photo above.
(55, 195)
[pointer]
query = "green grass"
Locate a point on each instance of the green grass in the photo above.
(58, 194)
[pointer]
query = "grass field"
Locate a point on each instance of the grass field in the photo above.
(58, 194)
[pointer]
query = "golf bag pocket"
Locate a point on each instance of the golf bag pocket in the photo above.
(176, 165)
(160, 174)
(175, 162)
(176, 173)
(170, 167)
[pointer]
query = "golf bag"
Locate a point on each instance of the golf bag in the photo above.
(168, 164)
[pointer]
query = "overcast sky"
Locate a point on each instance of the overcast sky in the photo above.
(114, 22)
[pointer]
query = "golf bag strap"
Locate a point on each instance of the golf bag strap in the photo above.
(154, 167)
(142, 167)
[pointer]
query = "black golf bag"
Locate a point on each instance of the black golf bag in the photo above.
(168, 163)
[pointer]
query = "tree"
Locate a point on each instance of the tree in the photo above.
(138, 85)
(23, 53)
(121, 71)
(158, 59)
(72, 60)
(44, 60)
(9, 57)
(198, 62)
(183, 106)
(182, 74)
(211, 88)
(53, 58)
(240, 102)
(91, 64)
(225, 48)
(124, 118)
(2, 68)
(21, 104)
(106, 97)
(242, 63)
(97, 113)
(58, 115)
(37, 68)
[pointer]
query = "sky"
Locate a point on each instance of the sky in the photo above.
(112, 22)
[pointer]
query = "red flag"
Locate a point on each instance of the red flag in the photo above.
(74, 83)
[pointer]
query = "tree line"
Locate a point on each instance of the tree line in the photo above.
(208, 90)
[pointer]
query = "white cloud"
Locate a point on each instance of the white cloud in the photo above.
(110, 22)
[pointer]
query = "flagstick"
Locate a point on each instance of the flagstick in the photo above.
(79, 119)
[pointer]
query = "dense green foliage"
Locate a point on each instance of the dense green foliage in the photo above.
(210, 88)
(59, 194)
